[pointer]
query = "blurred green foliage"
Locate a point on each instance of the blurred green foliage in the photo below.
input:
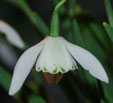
(35, 19)
(109, 30)
(109, 11)
(109, 27)
(5, 78)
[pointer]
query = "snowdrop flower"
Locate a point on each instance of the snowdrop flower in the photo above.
(11, 35)
(55, 55)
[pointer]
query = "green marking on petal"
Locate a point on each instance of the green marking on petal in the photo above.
(55, 70)
(73, 67)
(38, 68)
(63, 70)
(45, 69)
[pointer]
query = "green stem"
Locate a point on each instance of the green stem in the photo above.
(59, 5)
(109, 11)
(54, 27)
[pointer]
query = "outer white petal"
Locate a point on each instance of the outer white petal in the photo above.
(55, 57)
(24, 66)
(11, 34)
(87, 61)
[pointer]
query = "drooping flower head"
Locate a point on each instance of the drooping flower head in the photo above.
(55, 55)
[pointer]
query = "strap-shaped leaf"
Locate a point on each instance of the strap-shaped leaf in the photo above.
(109, 11)
(109, 30)
(34, 17)
(5, 78)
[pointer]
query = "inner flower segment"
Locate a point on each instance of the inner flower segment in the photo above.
(55, 58)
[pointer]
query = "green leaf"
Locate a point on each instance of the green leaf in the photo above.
(109, 11)
(90, 41)
(108, 91)
(99, 33)
(67, 26)
(109, 30)
(5, 78)
(5, 81)
(77, 33)
(39, 23)
(36, 77)
(36, 99)
(55, 1)
(34, 17)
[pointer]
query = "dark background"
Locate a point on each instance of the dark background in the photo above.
(17, 19)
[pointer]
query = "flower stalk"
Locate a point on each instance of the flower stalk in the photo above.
(54, 27)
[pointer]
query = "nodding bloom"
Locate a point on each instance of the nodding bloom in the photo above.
(11, 35)
(54, 55)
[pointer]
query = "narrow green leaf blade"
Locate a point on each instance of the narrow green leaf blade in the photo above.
(109, 11)
(100, 33)
(36, 99)
(109, 30)
(5, 78)
(33, 17)
(77, 33)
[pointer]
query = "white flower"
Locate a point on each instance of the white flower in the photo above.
(11, 34)
(54, 55)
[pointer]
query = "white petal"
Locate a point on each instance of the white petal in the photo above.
(24, 66)
(55, 57)
(87, 61)
(11, 34)
(7, 54)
